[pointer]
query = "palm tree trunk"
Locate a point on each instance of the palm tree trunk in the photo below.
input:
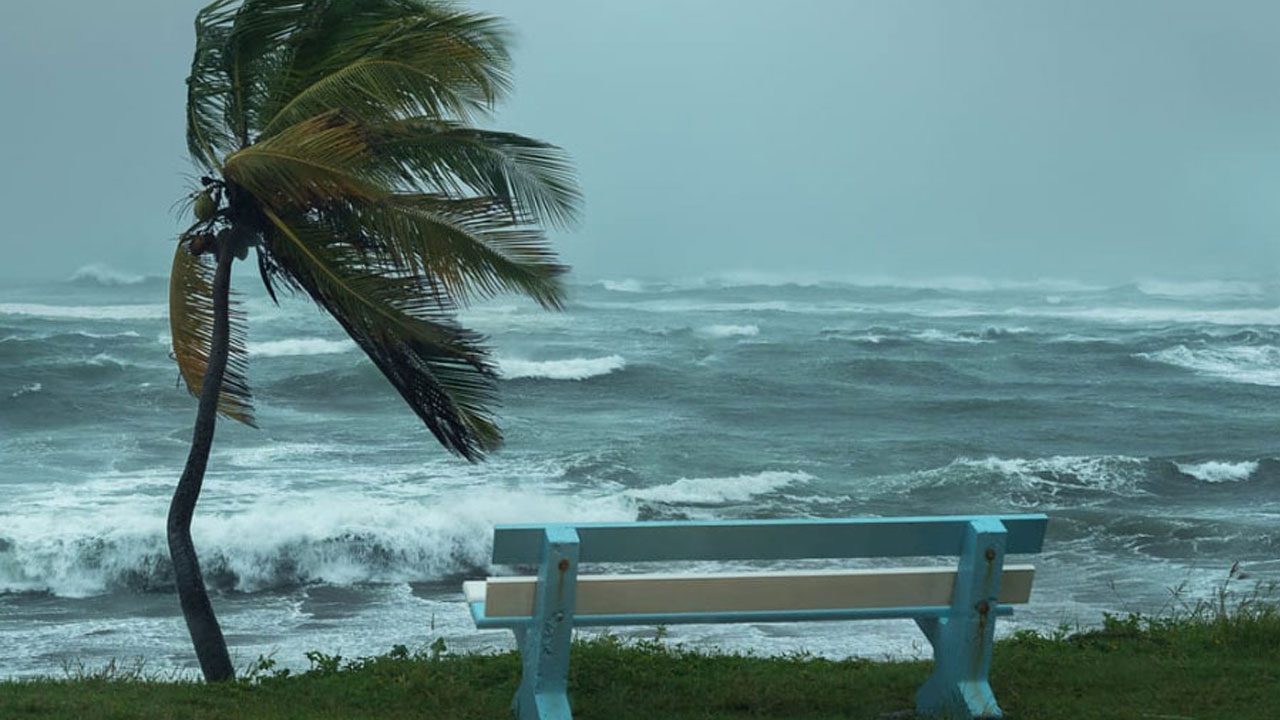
(206, 635)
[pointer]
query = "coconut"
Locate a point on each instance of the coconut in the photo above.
(200, 243)
(204, 206)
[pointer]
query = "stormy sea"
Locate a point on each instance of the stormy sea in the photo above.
(1141, 417)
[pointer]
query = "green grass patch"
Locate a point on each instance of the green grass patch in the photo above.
(1208, 662)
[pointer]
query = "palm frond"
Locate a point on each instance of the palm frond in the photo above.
(319, 160)
(404, 325)
(191, 326)
(470, 247)
(385, 59)
(534, 179)
(209, 86)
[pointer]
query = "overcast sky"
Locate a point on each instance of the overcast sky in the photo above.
(1100, 140)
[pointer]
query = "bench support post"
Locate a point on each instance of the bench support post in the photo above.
(962, 641)
(545, 648)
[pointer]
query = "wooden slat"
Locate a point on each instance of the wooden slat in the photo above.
(765, 539)
(739, 592)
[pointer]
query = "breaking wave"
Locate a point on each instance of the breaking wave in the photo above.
(86, 312)
(1218, 472)
(726, 331)
(1250, 364)
(571, 369)
(97, 274)
(300, 346)
(718, 490)
(282, 541)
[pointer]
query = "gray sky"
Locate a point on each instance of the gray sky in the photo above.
(829, 138)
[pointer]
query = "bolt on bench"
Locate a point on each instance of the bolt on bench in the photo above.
(955, 607)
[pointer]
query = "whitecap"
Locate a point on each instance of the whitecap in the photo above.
(86, 312)
(300, 346)
(1248, 364)
(27, 389)
(103, 275)
(627, 285)
(1199, 288)
(1113, 474)
(570, 369)
(932, 335)
(279, 538)
(726, 331)
(1219, 472)
(738, 488)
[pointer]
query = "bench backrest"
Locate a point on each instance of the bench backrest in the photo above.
(521, 544)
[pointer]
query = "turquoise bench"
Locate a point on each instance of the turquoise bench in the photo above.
(955, 606)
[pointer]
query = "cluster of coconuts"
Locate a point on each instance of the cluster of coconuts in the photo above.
(238, 236)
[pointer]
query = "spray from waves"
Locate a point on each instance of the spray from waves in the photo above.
(1219, 472)
(300, 346)
(626, 285)
(1207, 289)
(1249, 364)
(97, 274)
(571, 369)
(719, 490)
(727, 331)
(281, 541)
(85, 312)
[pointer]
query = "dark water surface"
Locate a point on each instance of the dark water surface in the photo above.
(1142, 418)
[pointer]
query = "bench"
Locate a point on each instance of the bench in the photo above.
(954, 606)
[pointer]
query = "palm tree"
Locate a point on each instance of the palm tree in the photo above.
(336, 142)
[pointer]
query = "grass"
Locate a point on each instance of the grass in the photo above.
(1218, 659)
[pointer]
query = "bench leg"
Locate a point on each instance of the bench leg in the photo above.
(958, 686)
(544, 647)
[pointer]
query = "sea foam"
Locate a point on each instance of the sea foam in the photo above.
(300, 346)
(570, 369)
(86, 312)
(716, 490)
(279, 539)
(727, 331)
(27, 389)
(1219, 472)
(97, 274)
(1249, 364)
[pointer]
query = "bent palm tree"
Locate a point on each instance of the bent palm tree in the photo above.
(335, 141)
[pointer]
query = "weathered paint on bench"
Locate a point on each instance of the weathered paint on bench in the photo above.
(959, 623)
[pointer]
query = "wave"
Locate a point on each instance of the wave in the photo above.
(97, 274)
(282, 541)
(86, 312)
(571, 369)
(878, 334)
(1200, 289)
(1155, 315)
(1218, 472)
(750, 279)
(300, 346)
(718, 490)
(627, 285)
(1062, 481)
(1249, 364)
(726, 331)
(1111, 473)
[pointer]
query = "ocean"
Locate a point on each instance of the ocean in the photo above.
(1140, 417)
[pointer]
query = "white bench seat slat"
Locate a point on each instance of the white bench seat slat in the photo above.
(645, 594)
